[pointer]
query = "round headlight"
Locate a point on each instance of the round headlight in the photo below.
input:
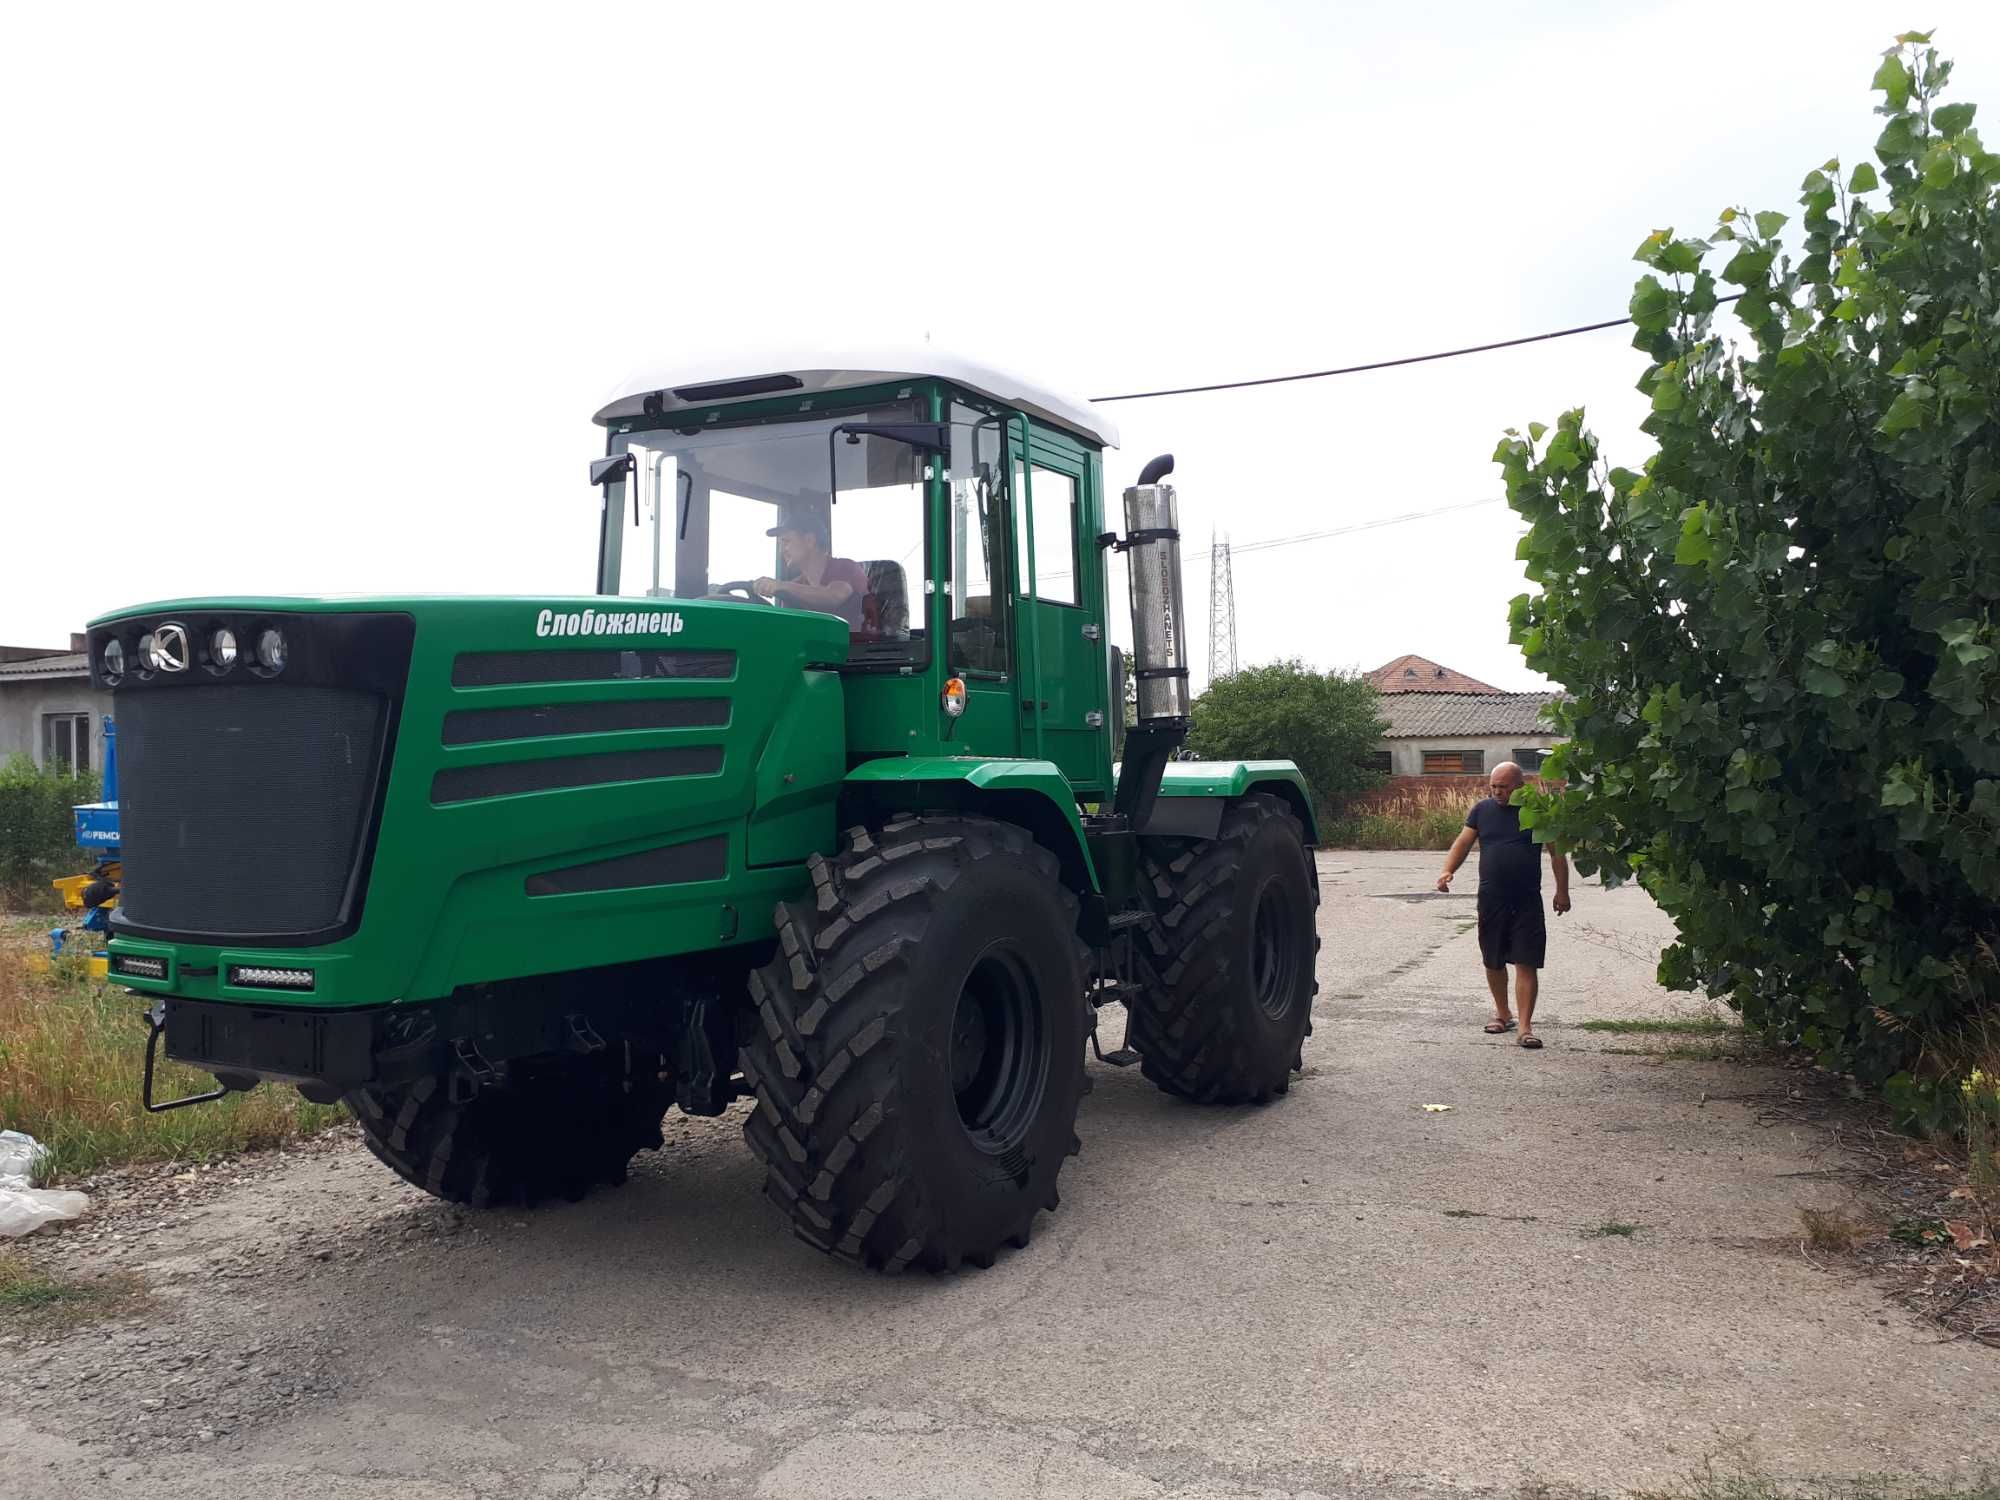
(149, 654)
(114, 659)
(271, 650)
(222, 648)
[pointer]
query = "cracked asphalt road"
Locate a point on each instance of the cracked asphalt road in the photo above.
(1341, 1294)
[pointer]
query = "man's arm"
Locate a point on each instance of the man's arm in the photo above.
(1561, 867)
(827, 596)
(1460, 847)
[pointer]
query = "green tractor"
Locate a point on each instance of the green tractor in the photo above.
(824, 799)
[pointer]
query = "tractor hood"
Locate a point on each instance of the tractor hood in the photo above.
(407, 795)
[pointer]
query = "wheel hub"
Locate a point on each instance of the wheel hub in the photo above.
(1273, 959)
(996, 1065)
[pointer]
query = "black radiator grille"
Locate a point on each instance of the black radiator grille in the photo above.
(472, 726)
(244, 807)
(567, 772)
(503, 668)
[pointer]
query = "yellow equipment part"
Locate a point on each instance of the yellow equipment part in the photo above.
(40, 963)
(72, 887)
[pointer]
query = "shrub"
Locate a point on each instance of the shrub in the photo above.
(1406, 817)
(37, 830)
(1981, 1103)
(1325, 721)
(1780, 637)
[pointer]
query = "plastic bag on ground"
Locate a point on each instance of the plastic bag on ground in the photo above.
(19, 1156)
(25, 1208)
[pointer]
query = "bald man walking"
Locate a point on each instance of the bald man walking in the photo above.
(1511, 930)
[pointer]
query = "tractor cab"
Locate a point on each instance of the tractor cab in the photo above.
(950, 518)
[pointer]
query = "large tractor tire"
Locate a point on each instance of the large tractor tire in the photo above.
(1226, 1005)
(557, 1128)
(917, 1055)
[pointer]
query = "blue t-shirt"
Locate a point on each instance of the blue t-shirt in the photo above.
(1510, 861)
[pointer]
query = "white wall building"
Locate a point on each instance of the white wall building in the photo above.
(49, 712)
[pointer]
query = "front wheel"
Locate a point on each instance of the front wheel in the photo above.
(918, 1052)
(557, 1128)
(1229, 956)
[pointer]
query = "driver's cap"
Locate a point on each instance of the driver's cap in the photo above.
(793, 518)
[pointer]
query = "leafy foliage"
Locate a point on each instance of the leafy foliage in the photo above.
(1325, 721)
(37, 830)
(1780, 637)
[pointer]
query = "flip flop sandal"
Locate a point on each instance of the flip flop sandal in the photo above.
(1531, 1041)
(1500, 1028)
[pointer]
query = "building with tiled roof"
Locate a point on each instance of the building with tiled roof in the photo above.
(1419, 674)
(1444, 723)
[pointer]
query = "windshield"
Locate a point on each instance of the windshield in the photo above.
(786, 516)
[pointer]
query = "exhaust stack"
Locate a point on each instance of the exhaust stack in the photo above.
(1159, 640)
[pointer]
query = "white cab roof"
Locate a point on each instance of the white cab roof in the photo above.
(824, 370)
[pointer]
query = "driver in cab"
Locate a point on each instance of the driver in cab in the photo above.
(814, 579)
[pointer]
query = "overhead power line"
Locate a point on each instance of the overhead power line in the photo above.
(1315, 536)
(1381, 364)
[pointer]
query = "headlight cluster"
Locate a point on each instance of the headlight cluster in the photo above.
(171, 647)
(271, 650)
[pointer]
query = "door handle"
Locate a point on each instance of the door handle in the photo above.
(1028, 705)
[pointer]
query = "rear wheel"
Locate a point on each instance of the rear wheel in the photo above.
(1229, 958)
(918, 1053)
(558, 1127)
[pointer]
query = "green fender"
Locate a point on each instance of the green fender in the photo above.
(1234, 778)
(1032, 793)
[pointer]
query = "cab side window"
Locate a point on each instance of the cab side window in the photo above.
(977, 599)
(1055, 535)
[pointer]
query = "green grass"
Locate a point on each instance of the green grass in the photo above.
(1689, 1025)
(1612, 1229)
(33, 1298)
(71, 1056)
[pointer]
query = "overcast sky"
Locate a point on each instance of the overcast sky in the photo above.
(321, 299)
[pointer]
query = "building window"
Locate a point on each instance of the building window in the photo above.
(1454, 762)
(1378, 760)
(1530, 759)
(66, 742)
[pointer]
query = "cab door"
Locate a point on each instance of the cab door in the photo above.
(1059, 616)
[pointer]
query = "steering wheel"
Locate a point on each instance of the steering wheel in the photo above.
(741, 586)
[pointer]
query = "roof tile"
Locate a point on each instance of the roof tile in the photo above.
(1434, 715)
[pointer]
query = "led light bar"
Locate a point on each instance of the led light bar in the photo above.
(137, 967)
(254, 977)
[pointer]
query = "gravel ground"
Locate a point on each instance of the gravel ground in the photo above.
(1341, 1294)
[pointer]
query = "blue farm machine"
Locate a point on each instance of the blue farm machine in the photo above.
(96, 894)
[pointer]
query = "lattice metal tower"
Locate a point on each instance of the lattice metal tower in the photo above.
(1221, 609)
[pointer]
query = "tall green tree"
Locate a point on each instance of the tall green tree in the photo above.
(1780, 635)
(1325, 721)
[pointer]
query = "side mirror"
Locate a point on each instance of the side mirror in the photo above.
(925, 437)
(610, 470)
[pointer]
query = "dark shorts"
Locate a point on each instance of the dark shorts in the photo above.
(1513, 934)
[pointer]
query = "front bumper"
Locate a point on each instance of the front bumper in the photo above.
(332, 1051)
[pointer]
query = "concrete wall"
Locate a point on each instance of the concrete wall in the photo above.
(22, 704)
(1406, 757)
